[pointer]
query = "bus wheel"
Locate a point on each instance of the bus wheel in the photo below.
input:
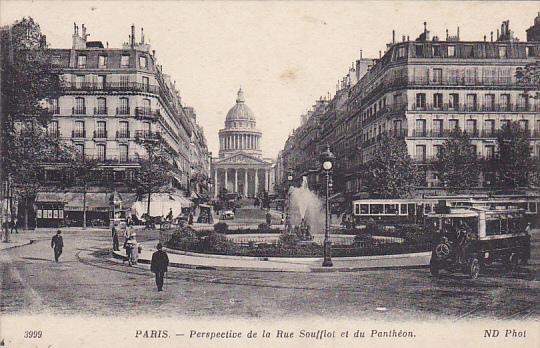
(434, 269)
(474, 268)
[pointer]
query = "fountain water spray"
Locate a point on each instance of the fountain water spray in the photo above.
(305, 204)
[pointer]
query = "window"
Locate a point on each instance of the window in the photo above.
(420, 153)
(523, 102)
(470, 76)
(453, 124)
(468, 51)
(123, 129)
(124, 61)
(470, 127)
(101, 152)
(146, 105)
(145, 83)
(123, 150)
(471, 102)
(437, 76)
(79, 131)
(403, 209)
(376, 209)
(420, 100)
(124, 81)
(101, 80)
(502, 52)
(101, 129)
(53, 102)
(52, 129)
(451, 51)
(530, 51)
(453, 102)
(364, 209)
(437, 100)
(401, 52)
(524, 124)
(80, 108)
(143, 62)
(489, 128)
(56, 60)
(79, 81)
(123, 108)
(420, 128)
(101, 106)
(436, 50)
(419, 50)
(490, 151)
(505, 102)
(102, 61)
(490, 102)
(505, 124)
(81, 61)
(437, 150)
(147, 128)
(473, 150)
(391, 209)
(437, 128)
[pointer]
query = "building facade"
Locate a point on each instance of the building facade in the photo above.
(115, 100)
(421, 90)
(240, 167)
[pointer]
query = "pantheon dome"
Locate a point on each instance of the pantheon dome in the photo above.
(240, 133)
(240, 167)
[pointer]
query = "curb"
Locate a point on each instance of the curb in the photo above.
(26, 242)
(307, 269)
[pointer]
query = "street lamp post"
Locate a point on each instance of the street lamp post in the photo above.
(290, 178)
(327, 161)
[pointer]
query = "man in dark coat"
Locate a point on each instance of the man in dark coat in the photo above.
(159, 264)
(57, 243)
(116, 245)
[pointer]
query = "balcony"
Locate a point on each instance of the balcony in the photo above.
(101, 111)
(53, 133)
(55, 110)
(112, 86)
(78, 134)
(78, 110)
(142, 112)
(122, 111)
(471, 108)
(535, 134)
(147, 135)
(101, 134)
(122, 134)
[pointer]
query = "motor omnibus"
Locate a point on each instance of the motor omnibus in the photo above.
(467, 239)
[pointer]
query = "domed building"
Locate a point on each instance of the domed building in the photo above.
(240, 167)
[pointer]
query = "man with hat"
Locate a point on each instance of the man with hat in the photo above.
(159, 264)
(57, 243)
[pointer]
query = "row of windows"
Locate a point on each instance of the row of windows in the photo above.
(449, 50)
(103, 61)
(79, 130)
(489, 151)
(471, 102)
(101, 152)
(123, 108)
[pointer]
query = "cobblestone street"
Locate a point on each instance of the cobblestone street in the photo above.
(87, 281)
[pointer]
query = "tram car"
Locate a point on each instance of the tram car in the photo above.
(467, 239)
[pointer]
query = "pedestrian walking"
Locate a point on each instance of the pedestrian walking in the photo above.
(57, 243)
(160, 262)
(132, 249)
(116, 246)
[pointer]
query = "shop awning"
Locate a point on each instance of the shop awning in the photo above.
(95, 201)
(50, 197)
(161, 204)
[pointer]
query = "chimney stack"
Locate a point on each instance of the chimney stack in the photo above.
(425, 28)
(497, 34)
(154, 54)
(132, 40)
(142, 35)
(393, 36)
(360, 54)
(458, 33)
(380, 55)
(446, 34)
(484, 38)
(492, 36)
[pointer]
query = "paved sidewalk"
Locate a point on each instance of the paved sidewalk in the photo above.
(15, 240)
(275, 264)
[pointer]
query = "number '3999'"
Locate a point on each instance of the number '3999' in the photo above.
(33, 334)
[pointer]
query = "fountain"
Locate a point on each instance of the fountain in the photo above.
(305, 207)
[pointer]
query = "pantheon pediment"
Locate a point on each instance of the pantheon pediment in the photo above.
(241, 159)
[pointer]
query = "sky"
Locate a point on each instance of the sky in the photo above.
(284, 55)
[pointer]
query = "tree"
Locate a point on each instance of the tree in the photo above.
(457, 165)
(83, 170)
(391, 172)
(155, 170)
(513, 162)
(28, 80)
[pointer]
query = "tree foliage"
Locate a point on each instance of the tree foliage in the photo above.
(391, 172)
(513, 164)
(457, 165)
